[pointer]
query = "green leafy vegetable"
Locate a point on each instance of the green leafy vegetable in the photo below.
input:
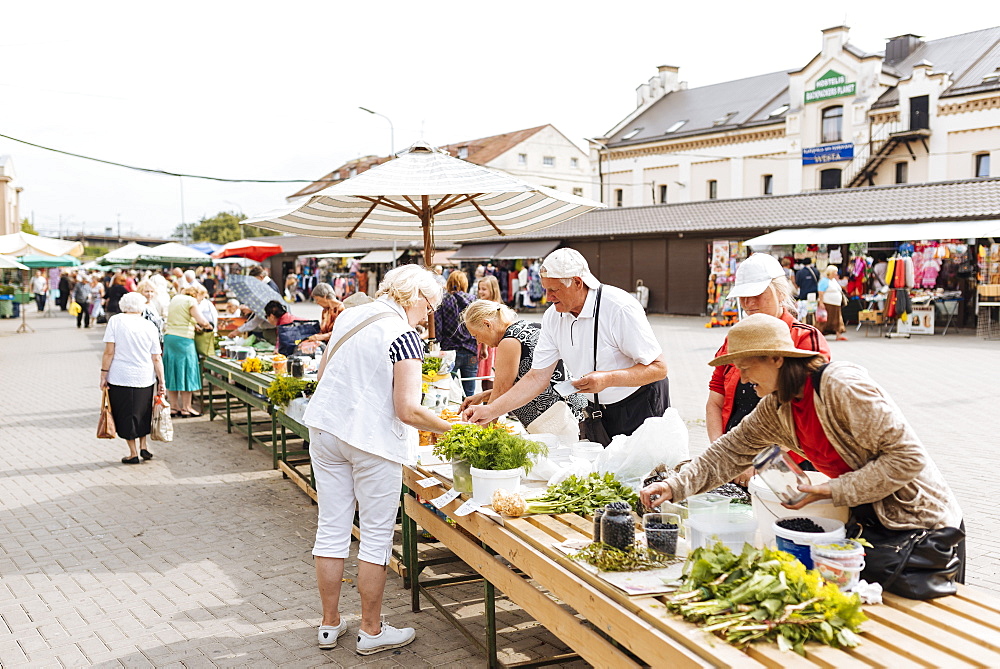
(765, 594)
(583, 495)
(488, 447)
(430, 366)
(635, 558)
(284, 389)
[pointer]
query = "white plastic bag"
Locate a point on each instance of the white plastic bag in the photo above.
(659, 440)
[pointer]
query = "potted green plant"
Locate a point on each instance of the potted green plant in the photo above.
(498, 461)
(454, 446)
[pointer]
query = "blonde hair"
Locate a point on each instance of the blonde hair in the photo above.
(145, 284)
(488, 310)
(408, 283)
(831, 271)
(191, 290)
(494, 287)
(785, 293)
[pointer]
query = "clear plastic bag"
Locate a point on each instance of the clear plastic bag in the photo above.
(659, 440)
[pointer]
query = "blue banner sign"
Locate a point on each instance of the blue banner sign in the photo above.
(828, 153)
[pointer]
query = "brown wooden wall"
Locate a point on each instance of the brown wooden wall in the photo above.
(674, 269)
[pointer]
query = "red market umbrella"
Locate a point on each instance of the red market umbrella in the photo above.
(247, 248)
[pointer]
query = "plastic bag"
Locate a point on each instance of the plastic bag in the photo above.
(659, 440)
(162, 426)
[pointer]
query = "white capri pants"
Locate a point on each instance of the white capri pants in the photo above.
(345, 477)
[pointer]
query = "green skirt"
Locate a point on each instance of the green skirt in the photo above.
(180, 364)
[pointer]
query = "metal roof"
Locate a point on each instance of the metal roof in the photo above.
(971, 199)
(752, 99)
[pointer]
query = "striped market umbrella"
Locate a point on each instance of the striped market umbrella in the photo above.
(425, 194)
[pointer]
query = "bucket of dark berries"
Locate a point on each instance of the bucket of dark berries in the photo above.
(797, 535)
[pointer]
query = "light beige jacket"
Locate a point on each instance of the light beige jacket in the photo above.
(892, 469)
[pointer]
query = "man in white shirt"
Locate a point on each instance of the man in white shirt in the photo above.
(40, 287)
(627, 385)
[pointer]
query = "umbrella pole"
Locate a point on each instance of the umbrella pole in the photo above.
(426, 221)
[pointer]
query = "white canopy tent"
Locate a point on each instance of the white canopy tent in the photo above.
(850, 234)
(125, 254)
(24, 243)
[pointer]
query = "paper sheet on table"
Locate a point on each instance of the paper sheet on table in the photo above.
(632, 583)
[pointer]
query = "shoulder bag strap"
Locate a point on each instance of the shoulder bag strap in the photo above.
(597, 315)
(357, 328)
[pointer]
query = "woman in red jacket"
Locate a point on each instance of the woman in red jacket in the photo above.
(762, 288)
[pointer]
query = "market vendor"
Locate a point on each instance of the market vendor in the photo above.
(762, 287)
(624, 380)
(841, 420)
(323, 295)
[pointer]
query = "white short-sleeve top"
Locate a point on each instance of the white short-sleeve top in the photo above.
(625, 339)
(135, 340)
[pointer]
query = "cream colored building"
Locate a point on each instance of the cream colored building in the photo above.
(918, 111)
(541, 155)
(10, 197)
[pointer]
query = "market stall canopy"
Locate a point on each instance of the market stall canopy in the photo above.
(253, 292)
(478, 251)
(242, 262)
(422, 194)
(205, 247)
(37, 261)
(124, 255)
(173, 253)
(443, 258)
(376, 257)
(246, 248)
(524, 250)
(850, 234)
(24, 243)
(6, 262)
(352, 254)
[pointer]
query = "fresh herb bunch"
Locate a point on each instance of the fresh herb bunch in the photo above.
(430, 366)
(488, 447)
(284, 389)
(634, 558)
(764, 594)
(583, 495)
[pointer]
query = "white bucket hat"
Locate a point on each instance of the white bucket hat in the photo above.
(755, 274)
(567, 263)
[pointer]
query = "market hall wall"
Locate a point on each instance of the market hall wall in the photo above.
(675, 269)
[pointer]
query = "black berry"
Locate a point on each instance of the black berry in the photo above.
(800, 525)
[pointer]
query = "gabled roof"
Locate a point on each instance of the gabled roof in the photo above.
(480, 152)
(970, 199)
(718, 107)
(967, 57)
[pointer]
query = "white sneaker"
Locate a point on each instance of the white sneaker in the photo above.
(389, 637)
(328, 635)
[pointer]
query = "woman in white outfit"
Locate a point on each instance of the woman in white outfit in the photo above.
(832, 295)
(361, 423)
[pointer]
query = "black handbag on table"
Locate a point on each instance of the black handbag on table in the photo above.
(916, 564)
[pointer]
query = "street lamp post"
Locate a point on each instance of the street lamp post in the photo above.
(600, 163)
(392, 131)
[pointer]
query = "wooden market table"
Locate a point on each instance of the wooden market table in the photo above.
(247, 390)
(608, 628)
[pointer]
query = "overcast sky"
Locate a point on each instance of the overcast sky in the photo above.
(255, 90)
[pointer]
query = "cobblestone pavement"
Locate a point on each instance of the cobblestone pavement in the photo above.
(200, 557)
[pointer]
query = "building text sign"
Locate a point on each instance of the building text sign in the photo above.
(831, 85)
(828, 153)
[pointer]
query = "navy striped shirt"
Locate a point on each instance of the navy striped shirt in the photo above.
(408, 346)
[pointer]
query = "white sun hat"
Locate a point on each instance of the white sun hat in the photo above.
(755, 274)
(567, 263)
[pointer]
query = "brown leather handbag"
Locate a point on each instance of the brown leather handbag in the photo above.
(106, 423)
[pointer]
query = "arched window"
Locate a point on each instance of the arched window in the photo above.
(833, 123)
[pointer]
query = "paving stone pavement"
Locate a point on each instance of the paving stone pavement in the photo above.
(201, 557)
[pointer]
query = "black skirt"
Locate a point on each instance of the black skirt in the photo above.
(132, 409)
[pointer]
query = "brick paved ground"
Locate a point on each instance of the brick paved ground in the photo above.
(200, 557)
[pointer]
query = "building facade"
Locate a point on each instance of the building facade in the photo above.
(10, 198)
(918, 111)
(540, 155)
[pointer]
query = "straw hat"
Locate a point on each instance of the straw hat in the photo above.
(760, 335)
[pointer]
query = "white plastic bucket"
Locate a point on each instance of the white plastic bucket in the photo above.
(839, 562)
(732, 529)
(799, 544)
(767, 508)
(485, 481)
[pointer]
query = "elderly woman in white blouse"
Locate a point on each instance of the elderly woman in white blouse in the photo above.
(131, 371)
(370, 373)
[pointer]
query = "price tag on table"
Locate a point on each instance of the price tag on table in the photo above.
(467, 508)
(444, 499)
(429, 481)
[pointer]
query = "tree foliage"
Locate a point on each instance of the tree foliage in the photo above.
(225, 227)
(26, 226)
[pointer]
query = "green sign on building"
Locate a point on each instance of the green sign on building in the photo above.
(831, 85)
